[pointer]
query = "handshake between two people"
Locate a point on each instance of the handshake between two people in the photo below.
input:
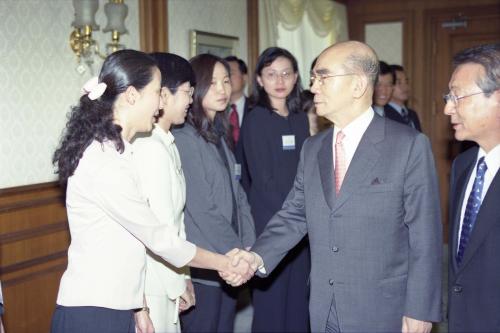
(242, 266)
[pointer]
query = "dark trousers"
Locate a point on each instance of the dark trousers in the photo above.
(214, 310)
(281, 301)
(91, 319)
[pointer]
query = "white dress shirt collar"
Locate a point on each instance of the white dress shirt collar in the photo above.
(379, 110)
(166, 137)
(397, 107)
(492, 160)
(240, 108)
(353, 132)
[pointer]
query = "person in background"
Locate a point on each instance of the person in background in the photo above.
(1, 310)
(397, 109)
(110, 222)
(168, 289)
(239, 102)
(383, 88)
(316, 123)
(272, 137)
(217, 215)
(473, 105)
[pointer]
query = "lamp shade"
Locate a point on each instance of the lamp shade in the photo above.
(85, 13)
(116, 14)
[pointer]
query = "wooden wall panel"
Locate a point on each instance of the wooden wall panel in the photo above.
(420, 44)
(412, 14)
(34, 239)
(253, 39)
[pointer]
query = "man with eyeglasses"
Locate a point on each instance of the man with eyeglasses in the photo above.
(473, 105)
(366, 195)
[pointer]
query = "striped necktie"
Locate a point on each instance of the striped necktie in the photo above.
(340, 162)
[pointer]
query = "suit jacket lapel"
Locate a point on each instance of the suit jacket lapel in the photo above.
(364, 159)
(230, 162)
(325, 164)
(484, 221)
(245, 108)
(457, 209)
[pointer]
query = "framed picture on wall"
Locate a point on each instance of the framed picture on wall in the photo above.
(207, 42)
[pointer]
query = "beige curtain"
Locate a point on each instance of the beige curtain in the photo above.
(268, 23)
(327, 18)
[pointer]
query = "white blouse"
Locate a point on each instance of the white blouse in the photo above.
(110, 224)
(162, 180)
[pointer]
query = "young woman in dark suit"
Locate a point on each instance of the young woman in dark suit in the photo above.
(272, 137)
(217, 214)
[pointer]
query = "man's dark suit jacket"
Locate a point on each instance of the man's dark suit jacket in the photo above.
(376, 246)
(474, 286)
(238, 149)
(393, 114)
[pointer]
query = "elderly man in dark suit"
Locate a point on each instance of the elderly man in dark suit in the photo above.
(366, 194)
(473, 105)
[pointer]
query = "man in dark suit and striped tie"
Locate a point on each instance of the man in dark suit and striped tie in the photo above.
(473, 104)
(396, 109)
(239, 102)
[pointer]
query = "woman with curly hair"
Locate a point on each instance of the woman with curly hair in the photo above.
(110, 222)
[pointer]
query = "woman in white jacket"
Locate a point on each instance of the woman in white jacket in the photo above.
(168, 290)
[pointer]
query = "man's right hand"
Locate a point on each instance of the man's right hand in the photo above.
(241, 259)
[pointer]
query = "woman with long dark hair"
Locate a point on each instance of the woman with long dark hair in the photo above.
(217, 215)
(272, 137)
(109, 219)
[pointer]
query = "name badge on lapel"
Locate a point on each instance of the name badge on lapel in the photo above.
(288, 142)
(237, 171)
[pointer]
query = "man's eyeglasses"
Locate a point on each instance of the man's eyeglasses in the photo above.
(190, 92)
(454, 99)
(322, 77)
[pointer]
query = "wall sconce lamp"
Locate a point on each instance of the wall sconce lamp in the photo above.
(81, 41)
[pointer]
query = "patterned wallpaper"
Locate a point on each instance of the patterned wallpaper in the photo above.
(39, 83)
(227, 17)
(387, 40)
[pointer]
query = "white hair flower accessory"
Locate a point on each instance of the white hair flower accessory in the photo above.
(93, 88)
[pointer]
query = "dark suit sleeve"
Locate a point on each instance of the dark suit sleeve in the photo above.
(247, 224)
(201, 206)
(239, 154)
(287, 227)
(416, 121)
(422, 217)
(257, 152)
